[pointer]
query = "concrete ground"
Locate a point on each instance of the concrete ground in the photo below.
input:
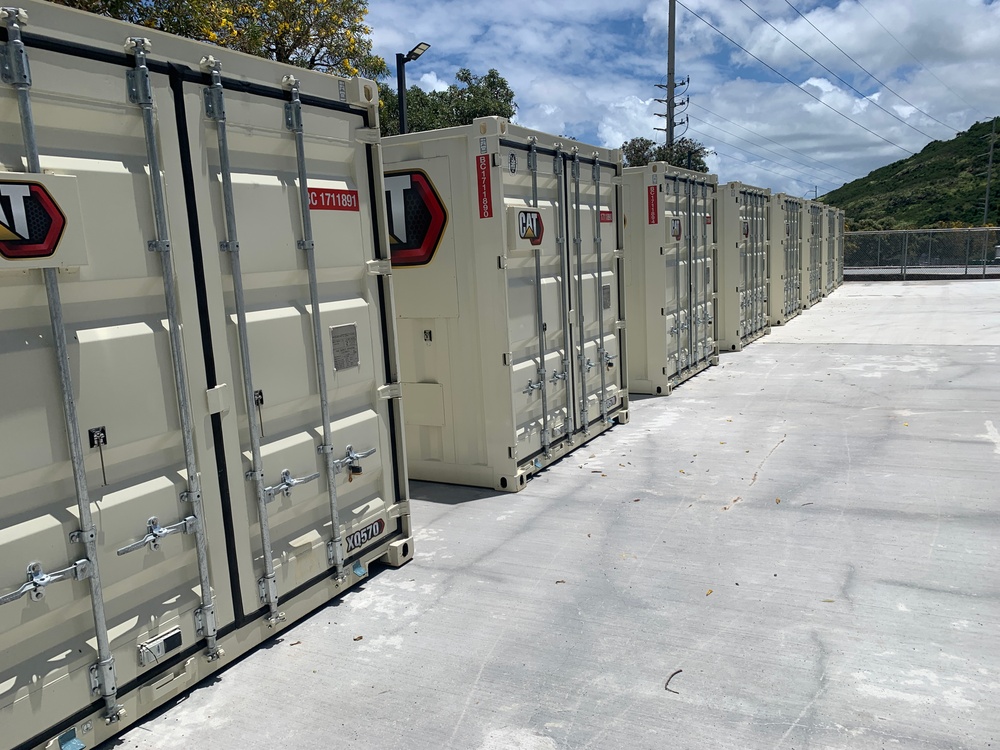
(809, 531)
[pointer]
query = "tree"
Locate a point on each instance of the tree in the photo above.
(479, 96)
(325, 35)
(686, 153)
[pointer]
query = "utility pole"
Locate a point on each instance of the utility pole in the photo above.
(671, 84)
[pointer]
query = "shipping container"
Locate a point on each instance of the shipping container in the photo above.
(742, 241)
(669, 251)
(507, 268)
(812, 253)
(839, 266)
(784, 270)
(831, 245)
(200, 440)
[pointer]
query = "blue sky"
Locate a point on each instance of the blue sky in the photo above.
(589, 69)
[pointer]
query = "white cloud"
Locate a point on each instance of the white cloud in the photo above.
(587, 69)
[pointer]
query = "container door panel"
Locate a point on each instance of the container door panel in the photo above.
(596, 300)
(536, 299)
(276, 370)
(121, 366)
(700, 218)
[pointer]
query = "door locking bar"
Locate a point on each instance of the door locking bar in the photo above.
(286, 484)
(38, 579)
(155, 533)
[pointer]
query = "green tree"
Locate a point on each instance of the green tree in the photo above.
(326, 35)
(686, 153)
(462, 102)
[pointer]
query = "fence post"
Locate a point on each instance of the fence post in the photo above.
(906, 243)
(968, 243)
(986, 242)
(878, 250)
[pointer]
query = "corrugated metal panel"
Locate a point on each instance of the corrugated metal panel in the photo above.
(217, 498)
(669, 259)
(513, 303)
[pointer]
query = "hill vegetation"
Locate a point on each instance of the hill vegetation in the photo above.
(942, 186)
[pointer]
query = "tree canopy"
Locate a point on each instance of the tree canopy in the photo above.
(686, 153)
(326, 35)
(462, 102)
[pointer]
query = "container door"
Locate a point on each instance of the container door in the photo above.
(286, 195)
(593, 210)
(104, 575)
(699, 218)
(534, 205)
(677, 287)
(792, 273)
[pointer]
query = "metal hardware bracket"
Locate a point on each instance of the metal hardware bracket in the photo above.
(286, 484)
(156, 532)
(38, 579)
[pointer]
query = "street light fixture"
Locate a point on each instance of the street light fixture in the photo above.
(401, 61)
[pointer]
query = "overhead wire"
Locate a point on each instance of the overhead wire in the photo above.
(812, 178)
(867, 72)
(917, 61)
(757, 145)
(789, 80)
(776, 143)
(763, 169)
(864, 96)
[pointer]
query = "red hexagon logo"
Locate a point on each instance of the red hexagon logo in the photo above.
(417, 217)
(31, 223)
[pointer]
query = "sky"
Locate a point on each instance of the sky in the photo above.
(589, 69)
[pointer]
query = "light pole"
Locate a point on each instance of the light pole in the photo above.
(401, 61)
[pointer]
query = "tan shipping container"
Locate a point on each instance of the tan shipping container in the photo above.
(509, 295)
(784, 268)
(741, 256)
(200, 440)
(669, 261)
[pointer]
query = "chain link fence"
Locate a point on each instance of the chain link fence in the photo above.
(922, 254)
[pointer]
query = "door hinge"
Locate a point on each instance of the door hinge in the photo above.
(616, 180)
(390, 390)
(379, 267)
(501, 261)
(508, 359)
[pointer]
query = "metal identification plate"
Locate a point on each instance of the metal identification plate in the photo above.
(606, 296)
(345, 346)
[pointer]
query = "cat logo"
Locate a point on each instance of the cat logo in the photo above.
(31, 223)
(530, 227)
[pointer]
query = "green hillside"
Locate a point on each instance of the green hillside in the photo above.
(943, 185)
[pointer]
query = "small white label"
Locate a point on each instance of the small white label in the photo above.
(482, 145)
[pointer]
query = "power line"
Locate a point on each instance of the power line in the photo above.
(764, 169)
(789, 80)
(812, 178)
(850, 86)
(757, 145)
(907, 51)
(776, 143)
(881, 83)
